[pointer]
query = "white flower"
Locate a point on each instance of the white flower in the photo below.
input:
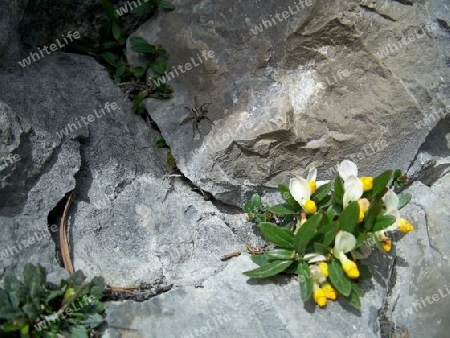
(345, 242)
(347, 168)
(391, 202)
(300, 190)
(314, 258)
(353, 189)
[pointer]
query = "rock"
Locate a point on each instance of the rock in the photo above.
(420, 299)
(127, 223)
(231, 305)
(11, 14)
(312, 90)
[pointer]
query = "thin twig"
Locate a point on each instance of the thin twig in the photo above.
(64, 245)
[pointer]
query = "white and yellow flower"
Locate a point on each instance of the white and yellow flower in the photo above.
(348, 171)
(301, 190)
(391, 202)
(346, 242)
(321, 294)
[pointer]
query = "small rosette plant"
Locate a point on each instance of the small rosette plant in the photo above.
(325, 228)
(33, 307)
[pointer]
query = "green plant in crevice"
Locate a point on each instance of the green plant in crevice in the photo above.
(35, 308)
(109, 50)
(331, 226)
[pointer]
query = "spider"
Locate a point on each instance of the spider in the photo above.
(196, 114)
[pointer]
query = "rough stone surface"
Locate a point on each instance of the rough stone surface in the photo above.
(127, 223)
(279, 105)
(311, 90)
(231, 305)
(423, 268)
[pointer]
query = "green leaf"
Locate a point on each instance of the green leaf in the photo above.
(269, 270)
(161, 143)
(380, 182)
(364, 271)
(16, 289)
(403, 199)
(109, 10)
(338, 278)
(349, 217)
(138, 105)
(93, 320)
(306, 233)
(260, 259)
(97, 286)
(304, 280)
(112, 59)
(160, 67)
(76, 279)
(330, 235)
(374, 209)
(117, 33)
(167, 6)
(279, 254)
(382, 222)
(287, 220)
(353, 300)
(281, 237)
(143, 7)
(109, 45)
(322, 192)
(139, 45)
(283, 209)
(338, 190)
(139, 72)
(375, 240)
(6, 309)
(30, 311)
(320, 249)
(286, 194)
(78, 331)
(356, 289)
(253, 204)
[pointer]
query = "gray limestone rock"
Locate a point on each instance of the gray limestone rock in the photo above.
(332, 81)
(420, 299)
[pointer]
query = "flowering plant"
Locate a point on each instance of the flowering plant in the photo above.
(325, 228)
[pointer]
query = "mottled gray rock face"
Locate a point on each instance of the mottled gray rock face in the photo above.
(420, 299)
(11, 14)
(335, 80)
(229, 305)
(310, 90)
(127, 222)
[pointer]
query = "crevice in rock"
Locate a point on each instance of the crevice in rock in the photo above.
(54, 218)
(429, 238)
(404, 2)
(372, 10)
(387, 326)
(437, 145)
(444, 25)
(83, 178)
(144, 292)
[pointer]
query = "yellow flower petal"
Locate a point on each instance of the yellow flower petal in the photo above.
(310, 206)
(350, 269)
(387, 244)
(361, 216)
(319, 297)
(330, 293)
(313, 186)
(324, 268)
(404, 226)
(367, 183)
